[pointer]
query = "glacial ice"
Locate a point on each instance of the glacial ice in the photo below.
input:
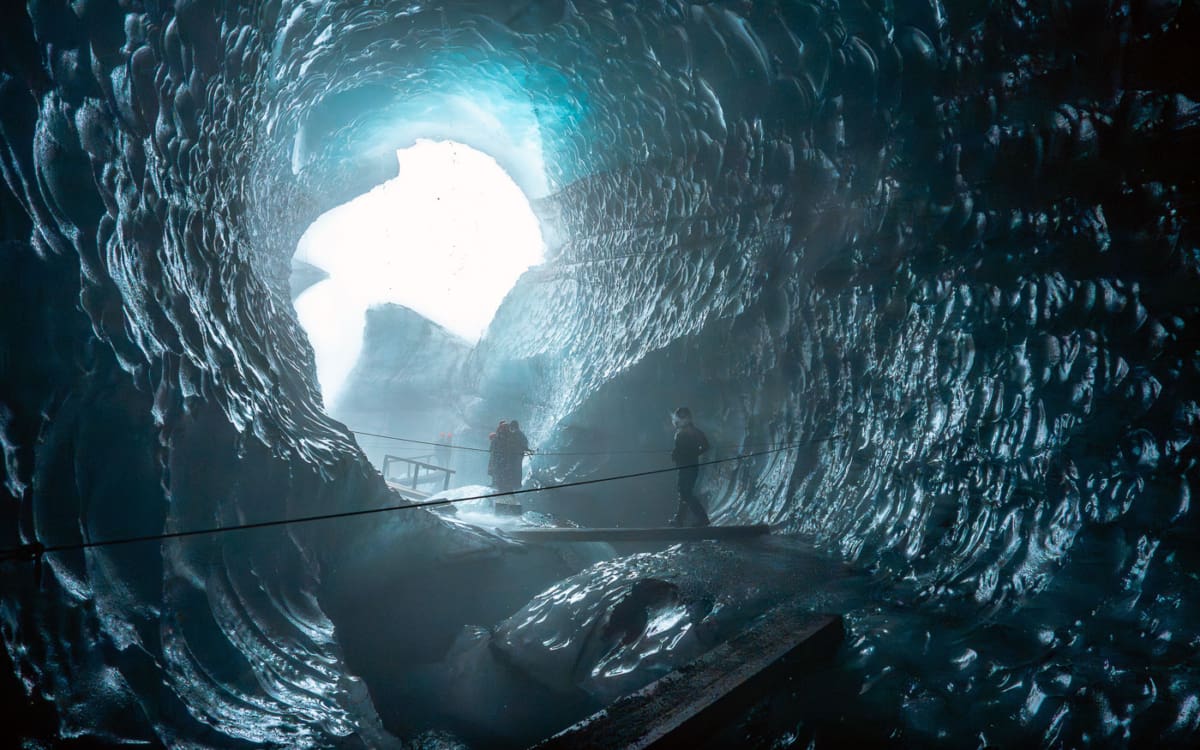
(951, 250)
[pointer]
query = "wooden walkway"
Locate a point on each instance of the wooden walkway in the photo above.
(664, 534)
(689, 706)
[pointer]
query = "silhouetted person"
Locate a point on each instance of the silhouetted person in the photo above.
(690, 444)
(496, 443)
(507, 455)
(516, 445)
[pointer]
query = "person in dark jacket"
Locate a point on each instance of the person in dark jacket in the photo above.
(516, 447)
(506, 455)
(690, 445)
(496, 444)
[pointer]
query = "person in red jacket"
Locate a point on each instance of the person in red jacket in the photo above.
(690, 444)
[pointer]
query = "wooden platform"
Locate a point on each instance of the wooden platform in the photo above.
(664, 534)
(688, 707)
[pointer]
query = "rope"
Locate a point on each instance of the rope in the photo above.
(419, 442)
(35, 550)
(586, 453)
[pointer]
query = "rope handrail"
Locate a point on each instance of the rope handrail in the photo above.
(35, 550)
(643, 451)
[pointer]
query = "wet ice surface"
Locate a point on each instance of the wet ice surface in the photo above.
(528, 638)
(511, 677)
(624, 623)
(419, 662)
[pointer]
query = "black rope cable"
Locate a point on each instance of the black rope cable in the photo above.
(644, 451)
(36, 549)
(419, 442)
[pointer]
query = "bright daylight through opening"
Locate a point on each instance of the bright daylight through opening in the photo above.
(448, 238)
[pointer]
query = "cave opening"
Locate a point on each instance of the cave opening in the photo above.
(926, 273)
(446, 238)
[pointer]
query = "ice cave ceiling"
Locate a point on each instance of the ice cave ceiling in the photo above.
(959, 237)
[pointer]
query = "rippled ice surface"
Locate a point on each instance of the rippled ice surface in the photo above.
(606, 631)
(621, 624)
(911, 667)
(961, 238)
(907, 663)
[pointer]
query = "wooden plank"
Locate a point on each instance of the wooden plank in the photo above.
(690, 705)
(665, 534)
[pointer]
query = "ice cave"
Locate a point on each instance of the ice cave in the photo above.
(926, 275)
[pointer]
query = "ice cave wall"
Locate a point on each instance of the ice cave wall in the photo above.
(960, 239)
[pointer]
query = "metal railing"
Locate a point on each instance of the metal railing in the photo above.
(418, 472)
